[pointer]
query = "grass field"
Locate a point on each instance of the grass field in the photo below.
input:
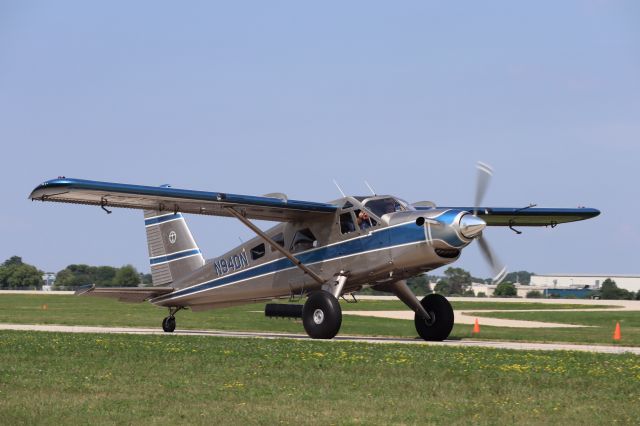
(396, 305)
(601, 325)
(71, 310)
(53, 378)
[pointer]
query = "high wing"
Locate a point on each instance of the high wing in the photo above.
(124, 294)
(528, 216)
(108, 194)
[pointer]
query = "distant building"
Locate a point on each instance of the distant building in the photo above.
(521, 289)
(581, 281)
(578, 286)
(569, 293)
(48, 278)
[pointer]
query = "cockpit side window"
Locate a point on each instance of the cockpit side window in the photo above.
(303, 240)
(346, 223)
(383, 206)
(258, 251)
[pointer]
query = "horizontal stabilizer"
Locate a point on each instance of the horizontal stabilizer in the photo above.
(167, 199)
(124, 294)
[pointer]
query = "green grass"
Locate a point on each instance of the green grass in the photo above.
(602, 325)
(53, 378)
(93, 311)
(579, 318)
(582, 336)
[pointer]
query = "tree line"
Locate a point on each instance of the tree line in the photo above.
(102, 276)
(16, 274)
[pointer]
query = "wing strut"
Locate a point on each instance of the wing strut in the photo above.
(275, 245)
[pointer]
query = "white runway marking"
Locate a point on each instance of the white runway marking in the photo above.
(380, 340)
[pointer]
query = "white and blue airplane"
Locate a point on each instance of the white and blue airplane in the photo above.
(319, 250)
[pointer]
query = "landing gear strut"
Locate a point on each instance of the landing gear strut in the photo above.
(169, 323)
(321, 315)
(434, 315)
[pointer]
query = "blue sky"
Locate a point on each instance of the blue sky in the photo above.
(260, 97)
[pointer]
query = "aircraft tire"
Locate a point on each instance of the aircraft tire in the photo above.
(442, 314)
(321, 315)
(169, 324)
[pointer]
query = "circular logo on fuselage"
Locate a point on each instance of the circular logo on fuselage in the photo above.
(173, 237)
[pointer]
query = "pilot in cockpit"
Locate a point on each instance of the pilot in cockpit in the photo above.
(364, 221)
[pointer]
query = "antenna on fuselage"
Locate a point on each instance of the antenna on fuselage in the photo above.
(373, 192)
(339, 189)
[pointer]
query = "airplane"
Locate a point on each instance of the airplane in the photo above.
(323, 251)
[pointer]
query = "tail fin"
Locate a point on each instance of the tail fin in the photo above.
(173, 252)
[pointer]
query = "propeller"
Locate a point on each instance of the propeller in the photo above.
(482, 183)
(499, 270)
(485, 172)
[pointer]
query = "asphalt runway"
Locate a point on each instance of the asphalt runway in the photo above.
(380, 340)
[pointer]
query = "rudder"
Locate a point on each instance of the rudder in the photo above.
(173, 253)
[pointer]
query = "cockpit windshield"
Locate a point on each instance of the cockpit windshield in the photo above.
(382, 206)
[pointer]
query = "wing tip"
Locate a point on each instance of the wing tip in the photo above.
(84, 289)
(41, 189)
(587, 213)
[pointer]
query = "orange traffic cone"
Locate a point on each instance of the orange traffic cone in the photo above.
(616, 334)
(476, 327)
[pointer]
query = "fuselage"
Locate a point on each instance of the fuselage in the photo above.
(394, 242)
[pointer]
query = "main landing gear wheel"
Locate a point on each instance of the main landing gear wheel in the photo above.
(169, 324)
(321, 315)
(441, 323)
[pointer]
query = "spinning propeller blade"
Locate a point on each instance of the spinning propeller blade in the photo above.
(485, 172)
(484, 177)
(499, 270)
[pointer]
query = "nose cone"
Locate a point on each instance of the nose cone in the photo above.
(471, 226)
